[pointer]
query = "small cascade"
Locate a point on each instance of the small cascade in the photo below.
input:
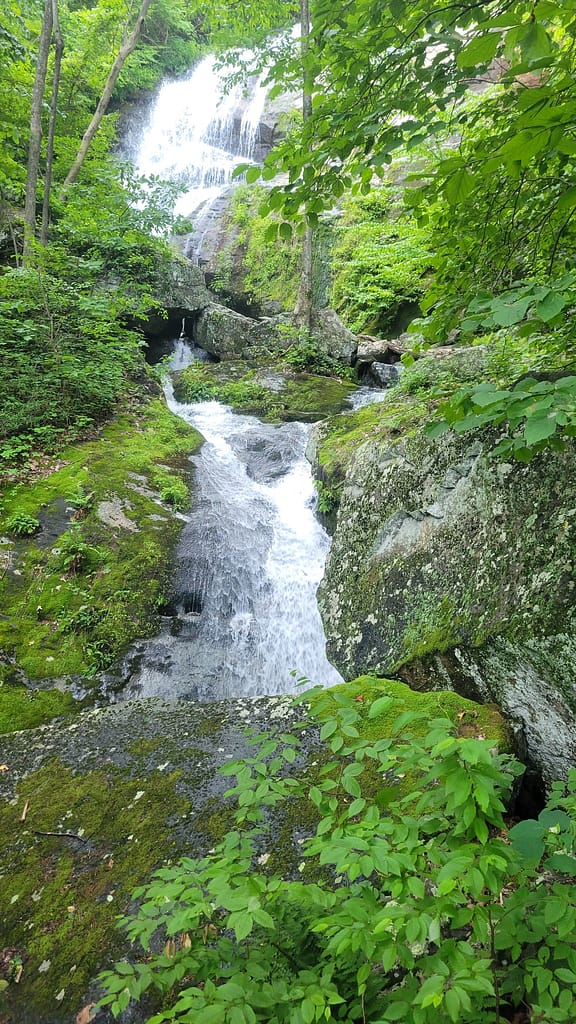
(243, 614)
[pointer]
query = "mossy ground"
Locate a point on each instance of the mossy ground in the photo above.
(59, 896)
(25, 708)
(78, 592)
(271, 390)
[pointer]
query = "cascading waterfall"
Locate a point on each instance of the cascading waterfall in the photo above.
(249, 561)
(243, 617)
(198, 133)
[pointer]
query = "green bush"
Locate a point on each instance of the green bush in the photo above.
(413, 900)
(379, 263)
(22, 525)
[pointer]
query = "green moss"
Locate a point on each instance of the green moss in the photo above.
(272, 390)
(340, 436)
(84, 587)
(59, 896)
(23, 708)
(252, 265)
(479, 720)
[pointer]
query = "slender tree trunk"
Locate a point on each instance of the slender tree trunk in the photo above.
(124, 52)
(303, 311)
(36, 128)
(59, 45)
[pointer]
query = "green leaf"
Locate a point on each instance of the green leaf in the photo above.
(506, 314)
(535, 41)
(308, 1011)
(436, 429)
(563, 863)
(379, 706)
(479, 50)
(551, 306)
(526, 839)
(539, 428)
(252, 175)
(459, 186)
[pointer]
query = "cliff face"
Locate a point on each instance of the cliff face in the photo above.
(440, 549)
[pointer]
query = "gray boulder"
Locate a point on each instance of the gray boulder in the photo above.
(228, 335)
(440, 548)
(333, 337)
(181, 293)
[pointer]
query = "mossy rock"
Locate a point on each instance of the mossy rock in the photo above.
(88, 810)
(270, 390)
(89, 582)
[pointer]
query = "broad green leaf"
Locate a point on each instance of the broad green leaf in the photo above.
(549, 307)
(526, 839)
(563, 863)
(252, 175)
(479, 50)
(506, 314)
(459, 186)
(538, 428)
(534, 41)
(379, 706)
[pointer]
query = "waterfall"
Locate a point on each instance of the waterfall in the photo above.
(243, 617)
(198, 133)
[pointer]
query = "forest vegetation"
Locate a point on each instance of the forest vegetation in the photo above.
(444, 135)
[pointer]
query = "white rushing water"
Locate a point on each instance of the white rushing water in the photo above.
(249, 561)
(198, 133)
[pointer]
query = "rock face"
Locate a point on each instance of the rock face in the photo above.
(440, 548)
(87, 811)
(227, 334)
(181, 291)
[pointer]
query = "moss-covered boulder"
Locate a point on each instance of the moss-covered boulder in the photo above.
(85, 551)
(89, 809)
(268, 388)
(439, 546)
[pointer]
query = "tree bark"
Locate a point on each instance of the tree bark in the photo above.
(124, 52)
(303, 311)
(59, 50)
(36, 128)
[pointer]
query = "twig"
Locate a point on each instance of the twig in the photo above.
(68, 835)
(25, 811)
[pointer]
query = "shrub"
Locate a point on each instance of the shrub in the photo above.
(175, 493)
(413, 900)
(22, 525)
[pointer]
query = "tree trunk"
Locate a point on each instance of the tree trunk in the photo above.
(59, 44)
(124, 52)
(303, 311)
(36, 128)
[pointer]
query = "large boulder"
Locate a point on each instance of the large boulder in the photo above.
(332, 337)
(181, 294)
(439, 547)
(229, 335)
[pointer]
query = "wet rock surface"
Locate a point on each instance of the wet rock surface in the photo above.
(88, 810)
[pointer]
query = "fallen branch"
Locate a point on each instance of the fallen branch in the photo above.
(67, 835)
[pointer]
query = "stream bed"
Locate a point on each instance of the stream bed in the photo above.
(242, 618)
